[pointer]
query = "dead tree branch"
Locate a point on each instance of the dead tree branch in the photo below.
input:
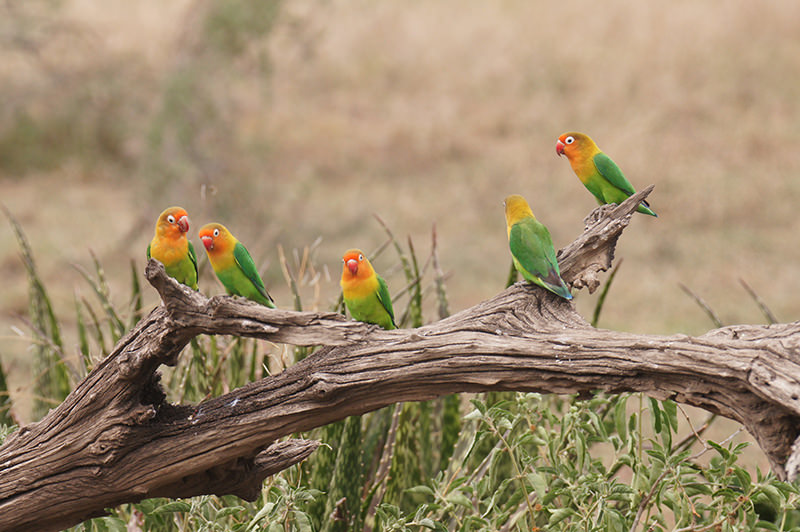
(115, 439)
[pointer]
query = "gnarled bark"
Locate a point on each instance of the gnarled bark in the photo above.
(116, 440)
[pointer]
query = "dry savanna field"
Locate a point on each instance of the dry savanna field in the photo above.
(297, 121)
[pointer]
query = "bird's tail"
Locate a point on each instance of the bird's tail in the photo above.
(644, 208)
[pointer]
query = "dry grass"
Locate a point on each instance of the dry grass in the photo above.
(432, 112)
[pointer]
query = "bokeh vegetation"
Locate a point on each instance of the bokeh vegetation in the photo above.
(293, 122)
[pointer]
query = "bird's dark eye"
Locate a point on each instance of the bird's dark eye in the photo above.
(569, 140)
(171, 219)
(360, 258)
(216, 232)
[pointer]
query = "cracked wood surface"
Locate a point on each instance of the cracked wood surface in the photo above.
(115, 439)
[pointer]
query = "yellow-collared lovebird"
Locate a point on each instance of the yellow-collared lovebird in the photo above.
(233, 264)
(365, 292)
(599, 174)
(171, 248)
(532, 248)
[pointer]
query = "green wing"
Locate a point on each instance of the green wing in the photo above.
(532, 246)
(192, 257)
(612, 173)
(385, 298)
(248, 267)
(535, 257)
(148, 251)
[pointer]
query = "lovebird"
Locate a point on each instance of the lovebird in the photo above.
(365, 292)
(532, 248)
(171, 248)
(233, 264)
(599, 174)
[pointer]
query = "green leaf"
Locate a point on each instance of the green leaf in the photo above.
(172, 507)
(427, 523)
(559, 515)
(424, 490)
(580, 450)
(720, 449)
(743, 477)
(775, 496)
(302, 522)
(655, 414)
(539, 483)
(671, 413)
(228, 510)
(460, 499)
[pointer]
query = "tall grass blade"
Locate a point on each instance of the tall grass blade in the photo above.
(703, 305)
(344, 491)
(100, 287)
(53, 382)
(451, 428)
(405, 470)
(415, 303)
(83, 337)
(771, 319)
(321, 465)
(136, 297)
(380, 483)
(299, 352)
(442, 306)
(97, 326)
(598, 308)
(6, 417)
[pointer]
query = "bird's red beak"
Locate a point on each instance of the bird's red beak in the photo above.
(352, 265)
(208, 242)
(560, 147)
(183, 224)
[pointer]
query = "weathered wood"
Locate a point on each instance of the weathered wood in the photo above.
(116, 440)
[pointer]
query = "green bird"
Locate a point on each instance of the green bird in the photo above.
(233, 264)
(365, 292)
(171, 248)
(599, 174)
(532, 248)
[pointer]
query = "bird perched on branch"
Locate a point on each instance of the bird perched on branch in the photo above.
(365, 292)
(233, 264)
(532, 248)
(171, 248)
(599, 174)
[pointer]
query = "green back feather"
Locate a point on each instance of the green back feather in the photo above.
(245, 263)
(532, 246)
(385, 298)
(609, 170)
(535, 257)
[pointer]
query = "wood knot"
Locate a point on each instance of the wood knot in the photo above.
(320, 387)
(105, 448)
(143, 414)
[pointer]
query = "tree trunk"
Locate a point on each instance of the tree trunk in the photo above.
(116, 440)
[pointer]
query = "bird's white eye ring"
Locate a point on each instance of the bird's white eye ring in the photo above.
(216, 232)
(171, 219)
(569, 140)
(360, 258)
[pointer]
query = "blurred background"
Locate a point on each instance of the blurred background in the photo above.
(294, 122)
